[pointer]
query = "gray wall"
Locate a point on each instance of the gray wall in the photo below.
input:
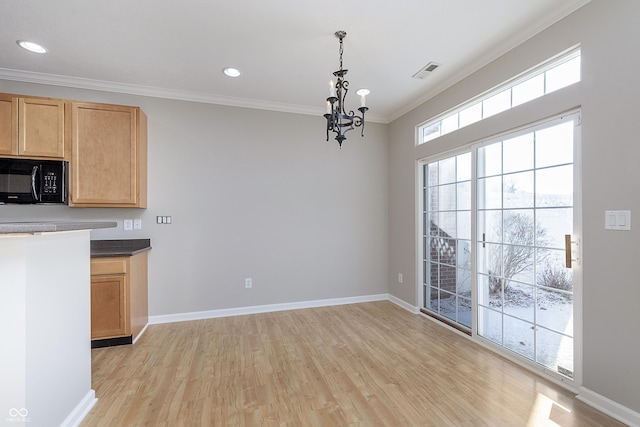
(608, 96)
(251, 193)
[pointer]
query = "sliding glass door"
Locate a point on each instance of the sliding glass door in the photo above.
(447, 240)
(523, 211)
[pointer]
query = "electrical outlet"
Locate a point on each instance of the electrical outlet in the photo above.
(128, 224)
(137, 224)
(248, 283)
(399, 277)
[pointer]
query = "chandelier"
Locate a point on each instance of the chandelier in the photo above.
(338, 120)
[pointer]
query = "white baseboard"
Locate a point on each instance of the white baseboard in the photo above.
(141, 332)
(609, 407)
(268, 308)
(403, 304)
(81, 410)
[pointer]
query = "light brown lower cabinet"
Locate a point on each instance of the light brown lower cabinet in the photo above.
(119, 298)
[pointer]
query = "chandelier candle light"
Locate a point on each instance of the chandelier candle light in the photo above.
(338, 120)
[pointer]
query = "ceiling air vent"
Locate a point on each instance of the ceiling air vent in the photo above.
(426, 70)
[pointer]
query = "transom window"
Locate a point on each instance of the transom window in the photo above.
(543, 79)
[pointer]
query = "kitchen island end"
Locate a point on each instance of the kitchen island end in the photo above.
(45, 364)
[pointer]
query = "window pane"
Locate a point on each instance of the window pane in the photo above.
(554, 187)
(555, 311)
(464, 225)
(519, 228)
(464, 195)
(447, 197)
(556, 222)
(464, 311)
(490, 324)
(447, 254)
(518, 190)
(432, 199)
(563, 75)
(449, 124)
(464, 260)
(447, 170)
(518, 301)
(555, 351)
(489, 226)
(434, 228)
(491, 191)
(518, 153)
(432, 174)
(496, 104)
(490, 160)
(433, 299)
(471, 114)
(519, 336)
(448, 305)
(431, 132)
(448, 224)
(483, 290)
(433, 271)
(528, 90)
(464, 167)
(554, 145)
(552, 273)
(490, 263)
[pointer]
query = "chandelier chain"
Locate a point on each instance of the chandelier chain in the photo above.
(341, 50)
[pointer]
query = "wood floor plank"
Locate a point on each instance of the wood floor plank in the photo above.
(370, 364)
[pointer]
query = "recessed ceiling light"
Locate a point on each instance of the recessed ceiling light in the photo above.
(31, 47)
(231, 72)
(363, 92)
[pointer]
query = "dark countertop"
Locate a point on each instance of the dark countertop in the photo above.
(125, 247)
(52, 226)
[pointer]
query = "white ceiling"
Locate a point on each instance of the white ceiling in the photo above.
(286, 49)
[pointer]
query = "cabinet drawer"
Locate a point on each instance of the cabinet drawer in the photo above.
(108, 265)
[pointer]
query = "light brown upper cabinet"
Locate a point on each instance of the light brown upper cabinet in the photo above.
(108, 156)
(8, 125)
(32, 127)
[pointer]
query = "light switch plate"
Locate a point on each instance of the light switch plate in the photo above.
(617, 220)
(128, 224)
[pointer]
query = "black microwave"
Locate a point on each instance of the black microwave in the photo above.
(33, 181)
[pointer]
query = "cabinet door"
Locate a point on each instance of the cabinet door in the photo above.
(107, 156)
(41, 127)
(8, 124)
(109, 311)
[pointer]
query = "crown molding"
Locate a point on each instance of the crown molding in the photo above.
(156, 92)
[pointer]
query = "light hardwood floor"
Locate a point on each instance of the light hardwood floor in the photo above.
(370, 364)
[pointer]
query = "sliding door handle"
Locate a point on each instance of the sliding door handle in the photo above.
(568, 253)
